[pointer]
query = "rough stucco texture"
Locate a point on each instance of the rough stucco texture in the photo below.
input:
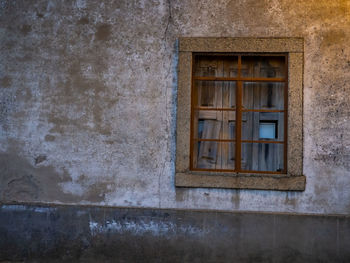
(88, 100)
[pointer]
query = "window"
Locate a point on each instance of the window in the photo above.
(239, 119)
(239, 108)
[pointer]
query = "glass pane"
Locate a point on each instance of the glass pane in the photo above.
(208, 66)
(214, 155)
(228, 125)
(208, 93)
(214, 124)
(215, 94)
(228, 155)
(232, 130)
(263, 95)
(207, 155)
(211, 124)
(267, 130)
(263, 66)
(262, 157)
(229, 94)
(252, 123)
(230, 67)
(216, 66)
(209, 128)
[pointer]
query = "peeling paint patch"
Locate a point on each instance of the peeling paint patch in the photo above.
(36, 209)
(72, 188)
(44, 209)
(14, 207)
(164, 229)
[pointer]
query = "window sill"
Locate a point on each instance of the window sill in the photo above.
(281, 182)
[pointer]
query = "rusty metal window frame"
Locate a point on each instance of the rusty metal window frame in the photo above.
(292, 177)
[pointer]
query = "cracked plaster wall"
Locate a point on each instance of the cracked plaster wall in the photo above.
(88, 100)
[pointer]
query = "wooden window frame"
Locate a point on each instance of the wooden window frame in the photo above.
(292, 177)
(239, 80)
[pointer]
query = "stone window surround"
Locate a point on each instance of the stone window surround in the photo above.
(294, 179)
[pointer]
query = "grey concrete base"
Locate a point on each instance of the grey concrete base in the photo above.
(96, 234)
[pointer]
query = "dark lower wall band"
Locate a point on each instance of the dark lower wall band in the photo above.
(96, 234)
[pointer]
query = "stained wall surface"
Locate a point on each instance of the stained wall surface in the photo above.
(104, 234)
(88, 100)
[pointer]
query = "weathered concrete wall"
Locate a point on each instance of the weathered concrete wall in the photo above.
(88, 234)
(88, 100)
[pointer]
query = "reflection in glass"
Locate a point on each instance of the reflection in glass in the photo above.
(209, 128)
(215, 155)
(252, 123)
(263, 66)
(215, 94)
(267, 130)
(263, 95)
(216, 66)
(215, 124)
(262, 157)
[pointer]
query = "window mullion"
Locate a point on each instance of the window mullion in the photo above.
(286, 72)
(239, 118)
(239, 126)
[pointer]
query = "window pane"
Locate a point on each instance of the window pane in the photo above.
(209, 128)
(230, 65)
(263, 66)
(214, 155)
(262, 157)
(215, 94)
(208, 94)
(216, 66)
(211, 124)
(208, 66)
(229, 94)
(228, 155)
(232, 130)
(254, 122)
(267, 130)
(263, 95)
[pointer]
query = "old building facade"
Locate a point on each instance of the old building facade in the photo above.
(88, 117)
